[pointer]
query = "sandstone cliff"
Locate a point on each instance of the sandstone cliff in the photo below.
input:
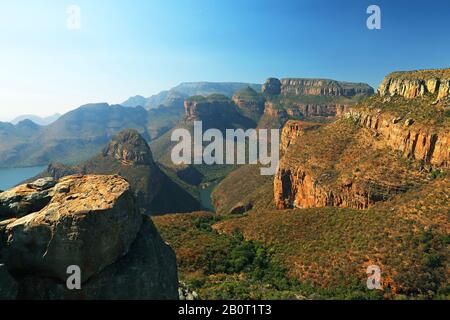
(338, 165)
(413, 84)
(413, 140)
(324, 87)
(91, 222)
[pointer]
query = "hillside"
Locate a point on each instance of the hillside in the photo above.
(129, 156)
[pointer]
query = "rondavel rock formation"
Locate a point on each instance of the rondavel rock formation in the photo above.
(344, 166)
(89, 221)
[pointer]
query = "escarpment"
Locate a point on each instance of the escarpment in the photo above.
(338, 165)
(324, 87)
(413, 84)
(92, 224)
(383, 146)
(298, 98)
(413, 140)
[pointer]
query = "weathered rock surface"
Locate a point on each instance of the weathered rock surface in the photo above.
(92, 222)
(292, 131)
(26, 198)
(412, 84)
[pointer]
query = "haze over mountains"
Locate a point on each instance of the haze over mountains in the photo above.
(81, 133)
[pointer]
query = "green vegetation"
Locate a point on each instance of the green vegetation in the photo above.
(230, 267)
(423, 110)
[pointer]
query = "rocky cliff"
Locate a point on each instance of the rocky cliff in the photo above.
(413, 84)
(413, 140)
(91, 222)
(338, 165)
(324, 87)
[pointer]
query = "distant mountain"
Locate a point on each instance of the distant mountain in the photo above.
(135, 101)
(75, 136)
(128, 155)
(42, 121)
(187, 89)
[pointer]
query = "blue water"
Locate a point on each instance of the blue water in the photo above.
(13, 176)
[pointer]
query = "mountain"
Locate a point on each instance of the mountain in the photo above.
(187, 89)
(42, 121)
(136, 101)
(75, 136)
(128, 155)
(366, 187)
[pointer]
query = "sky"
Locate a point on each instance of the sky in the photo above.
(126, 48)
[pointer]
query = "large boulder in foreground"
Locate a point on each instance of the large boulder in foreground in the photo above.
(90, 222)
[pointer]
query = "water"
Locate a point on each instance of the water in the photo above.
(13, 176)
(205, 197)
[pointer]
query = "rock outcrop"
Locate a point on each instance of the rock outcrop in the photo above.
(129, 148)
(292, 131)
(272, 86)
(323, 87)
(413, 84)
(27, 198)
(198, 108)
(91, 222)
(413, 140)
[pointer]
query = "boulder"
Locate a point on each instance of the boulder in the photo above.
(148, 271)
(90, 222)
(26, 198)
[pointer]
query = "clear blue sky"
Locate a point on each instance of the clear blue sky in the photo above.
(130, 47)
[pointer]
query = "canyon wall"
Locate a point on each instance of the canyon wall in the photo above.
(323, 87)
(414, 84)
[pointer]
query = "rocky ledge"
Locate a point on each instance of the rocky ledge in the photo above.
(91, 222)
(412, 84)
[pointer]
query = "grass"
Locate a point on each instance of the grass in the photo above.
(331, 247)
(228, 267)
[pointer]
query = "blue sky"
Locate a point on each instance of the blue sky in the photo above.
(131, 47)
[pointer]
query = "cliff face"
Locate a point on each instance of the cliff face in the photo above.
(338, 165)
(417, 83)
(198, 110)
(91, 222)
(411, 139)
(323, 87)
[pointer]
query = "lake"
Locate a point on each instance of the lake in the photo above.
(205, 197)
(12, 176)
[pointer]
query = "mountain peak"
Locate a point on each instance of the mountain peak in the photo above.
(130, 148)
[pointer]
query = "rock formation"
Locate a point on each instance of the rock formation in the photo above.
(129, 155)
(323, 87)
(91, 222)
(414, 84)
(411, 139)
(272, 86)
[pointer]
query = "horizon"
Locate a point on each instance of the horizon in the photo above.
(122, 50)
